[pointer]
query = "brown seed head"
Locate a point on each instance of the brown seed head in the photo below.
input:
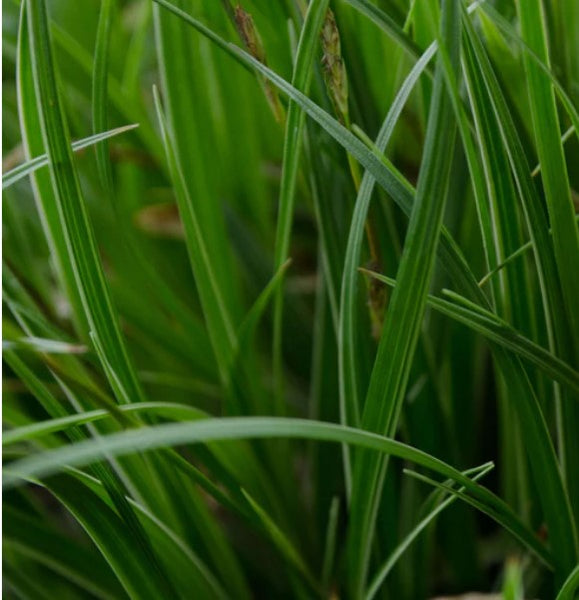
(252, 42)
(249, 34)
(333, 66)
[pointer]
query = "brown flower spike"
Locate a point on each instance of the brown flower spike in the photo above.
(333, 67)
(252, 42)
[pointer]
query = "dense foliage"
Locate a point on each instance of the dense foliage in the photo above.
(290, 298)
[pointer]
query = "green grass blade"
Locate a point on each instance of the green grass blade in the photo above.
(387, 24)
(349, 385)
(175, 412)
(123, 552)
(220, 325)
(512, 295)
(133, 112)
(556, 186)
(405, 311)
(238, 370)
(330, 543)
(518, 252)
(197, 511)
(280, 540)
(512, 34)
(32, 538)
(41, 392)
(74, 224)
(20, 583)
(544, 463)
(497, 207)
(569, 589)
(30, 125)
(331, 242)
(37, 344)
(100, 91)
(231, 428)
(187, 571)
(390, 562)
(27, 168)
(110, 478)
(477, 61)
(290, 165)
(177, 52)
(499, 331)
(512, 588)
(224, 338)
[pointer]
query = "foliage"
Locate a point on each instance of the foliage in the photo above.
(277, 277)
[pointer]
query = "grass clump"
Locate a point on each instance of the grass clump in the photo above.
(290, 299)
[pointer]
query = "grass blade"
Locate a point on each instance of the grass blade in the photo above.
(349, 385)
(100, 91)
(230, 428)
(33, 538)
(42, 428)
(512, 34)
(221, 328)
(544, 463)
(391, 561)
(557, 191)
(123, 553)
(180, 86)
(569, 589)
(17, 173)
(74, 225)
(291, 157)
(499, 331)
(387, 24)
(30, 125)
(405, 311)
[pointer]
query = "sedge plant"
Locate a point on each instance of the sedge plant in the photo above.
(290, 299)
